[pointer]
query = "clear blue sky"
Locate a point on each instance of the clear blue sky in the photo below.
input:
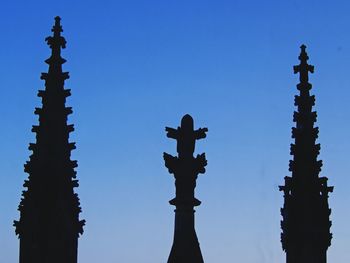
(138, 66)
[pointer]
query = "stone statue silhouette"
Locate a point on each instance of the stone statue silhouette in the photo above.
(185, 168)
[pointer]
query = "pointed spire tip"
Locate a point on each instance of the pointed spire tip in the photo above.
(57, 28)
(303, 57)
(303, 68)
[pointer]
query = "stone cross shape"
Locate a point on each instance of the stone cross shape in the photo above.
(303, 67)
(186, 136)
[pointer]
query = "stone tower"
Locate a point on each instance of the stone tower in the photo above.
(49, 224)
(305, 226)
(185, 168)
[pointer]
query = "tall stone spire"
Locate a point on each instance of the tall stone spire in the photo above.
(185, 168)
(49, 224)
(306, 226)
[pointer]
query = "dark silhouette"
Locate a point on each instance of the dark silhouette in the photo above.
(306, 226)
(185, 168)
(49, 224)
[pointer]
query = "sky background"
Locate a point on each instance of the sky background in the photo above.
(138, 66)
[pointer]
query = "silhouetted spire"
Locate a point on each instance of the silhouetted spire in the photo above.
(185, 169)
(49, 224)
(306, 226)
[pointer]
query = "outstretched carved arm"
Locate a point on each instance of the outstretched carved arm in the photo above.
(172, 133)
(200, 133)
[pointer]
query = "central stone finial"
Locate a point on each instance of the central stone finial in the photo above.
(185, 168)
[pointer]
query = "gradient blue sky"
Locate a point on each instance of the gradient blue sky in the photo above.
(138, 66)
